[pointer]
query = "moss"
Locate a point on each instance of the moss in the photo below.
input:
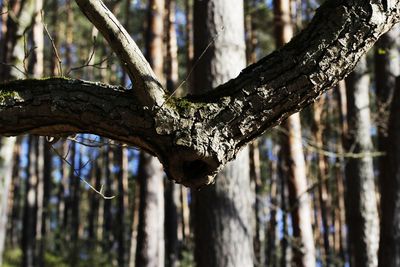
(6, 95)
(183, 104)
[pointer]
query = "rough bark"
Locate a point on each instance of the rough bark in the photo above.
(200, 132)
(361, 205)
(222, 212)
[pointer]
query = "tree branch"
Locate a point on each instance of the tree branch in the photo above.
(144, 81)
(195, 136)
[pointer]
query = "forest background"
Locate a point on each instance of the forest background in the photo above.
(318, 190)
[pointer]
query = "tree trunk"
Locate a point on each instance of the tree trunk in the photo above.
(29, 219)
(361, 205)
(295, 169)
(17, 198)
(6, 167)
(150, 238)
(150, 249)
(173, 208)
(271, 231)
(222, 212)
(386, 70)
(389, 250)
(122, 205)
(322, 177)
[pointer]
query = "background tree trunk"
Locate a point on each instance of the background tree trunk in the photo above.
(387, 68)
(389, 250)
(150, 249)
(223, 216)
(295, 169)
(361, 205)
(6, 167)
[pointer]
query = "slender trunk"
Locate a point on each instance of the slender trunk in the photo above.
(9, 37)
(150, 238)
(304, 254)
(108, 223)
(222, 212)
(271, 231)
(122, 205)
(322, 177)
(361, 205)
(74, 204)
(389, 250)
(135, 223)
(6, 167)
(172, 190)
(29, 218)
(342, 103)
(189, 42)
(69, 35)
(16, 197)
(283, 199)
(150, 249)
(94, 199)
(254, 153)
(386, 70)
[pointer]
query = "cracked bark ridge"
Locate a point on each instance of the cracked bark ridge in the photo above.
(197, 135)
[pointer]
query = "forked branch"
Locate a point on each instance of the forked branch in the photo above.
(195, 136)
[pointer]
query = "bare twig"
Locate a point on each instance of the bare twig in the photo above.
(76, 173)
(59, 61)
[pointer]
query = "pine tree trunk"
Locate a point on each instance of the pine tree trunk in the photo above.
(304, 254)
(29, 219)
(389, 250)
(16, 198)
(222, 212)
(6, 167)
(172, 190)
(361, 205)
(122, 205)
(386, 70)
(150, 250)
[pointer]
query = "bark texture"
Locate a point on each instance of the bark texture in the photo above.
(361, 205)
(200, 133)
(223, 216)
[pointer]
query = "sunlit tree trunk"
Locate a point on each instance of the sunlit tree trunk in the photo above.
(150, 249)
(304, 254)
(122, 204)
(6, 167)
(222, 212)
(361, 205)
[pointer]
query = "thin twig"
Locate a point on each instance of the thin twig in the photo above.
(194, 65)
(100, 192)
(59, 65)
